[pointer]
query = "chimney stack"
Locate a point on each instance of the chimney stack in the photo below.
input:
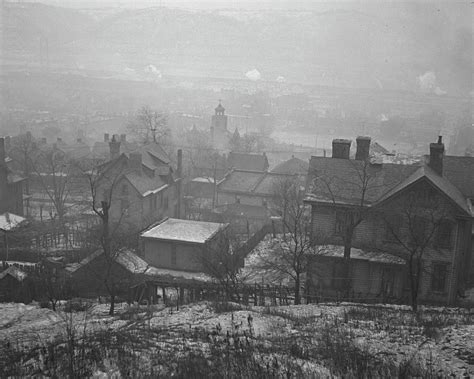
(135, 162)
(180, 163)
(341, 148)
(106, 137)
(363, 148)
(436, 156)
(114, 147)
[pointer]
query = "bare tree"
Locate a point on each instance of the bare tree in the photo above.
(416, 226)
(290, 257)
(54, 174)
(350, 195)
(112, 236)
(149, 125)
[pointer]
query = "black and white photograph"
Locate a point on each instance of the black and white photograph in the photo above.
(237, 189)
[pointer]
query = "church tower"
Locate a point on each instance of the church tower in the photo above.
(219, 120)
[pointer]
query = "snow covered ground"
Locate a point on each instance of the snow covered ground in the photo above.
(442, 342)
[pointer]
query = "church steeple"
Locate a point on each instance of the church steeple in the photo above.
(220, 110)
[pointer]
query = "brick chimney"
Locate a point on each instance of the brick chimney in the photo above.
(436, 156)
(135, 162)
(341, 148)
(106, 137)
(363, 148)
(114, 145)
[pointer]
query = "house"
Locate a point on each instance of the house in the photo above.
(252, 187)
(11, 186)
(183, 245)
(247, 161)
(291, 166)
(395, 209)
(140, 186)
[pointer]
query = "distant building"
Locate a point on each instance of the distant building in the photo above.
(292, 166)
(247, 161)
(183, 245)
(220, 136)
(11, 186)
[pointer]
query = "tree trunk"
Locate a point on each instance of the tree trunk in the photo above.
(112, 305)
(297, 290)
(346, 269)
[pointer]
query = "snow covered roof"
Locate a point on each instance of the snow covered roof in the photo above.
(8, 221)
(184, 230)
(14, 272)
(175, 275)
(335, 251)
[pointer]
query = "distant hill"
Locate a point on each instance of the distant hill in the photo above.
(389, 47)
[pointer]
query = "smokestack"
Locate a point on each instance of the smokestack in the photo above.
(436, 156)
(123, 138)
(135, 162)
(114, 146)
(180, 163)
(106, 137)
(363, 148)
(341, 148)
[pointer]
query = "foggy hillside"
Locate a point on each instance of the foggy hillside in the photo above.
(346, 47)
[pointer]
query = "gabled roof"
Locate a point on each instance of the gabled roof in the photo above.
(292, 166)
(184, 230)
(335, 251)
(144, 184)
(14, 272)
(246, 161)
(125, 258)
(438, 181)
(341, 180)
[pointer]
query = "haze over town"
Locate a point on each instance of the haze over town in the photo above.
(224, 188)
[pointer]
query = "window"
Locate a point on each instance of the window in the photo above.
(393, 225)
(444, 237)
(173, 255)
(439, 276)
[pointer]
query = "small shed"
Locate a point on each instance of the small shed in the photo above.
(183, 244)
(15, 286)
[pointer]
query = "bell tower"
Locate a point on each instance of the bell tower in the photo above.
(219, 120)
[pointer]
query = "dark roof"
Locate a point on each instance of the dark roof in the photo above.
(340, 179)
(240, 181)
(255, 182)
(292, 166)
(246, 161)
(144, 184)
(440, 182)
(245, 210)
(460, 172)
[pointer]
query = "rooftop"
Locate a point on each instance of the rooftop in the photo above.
(335, 251)
(14, 272)
(246, 161)
(184, 230)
